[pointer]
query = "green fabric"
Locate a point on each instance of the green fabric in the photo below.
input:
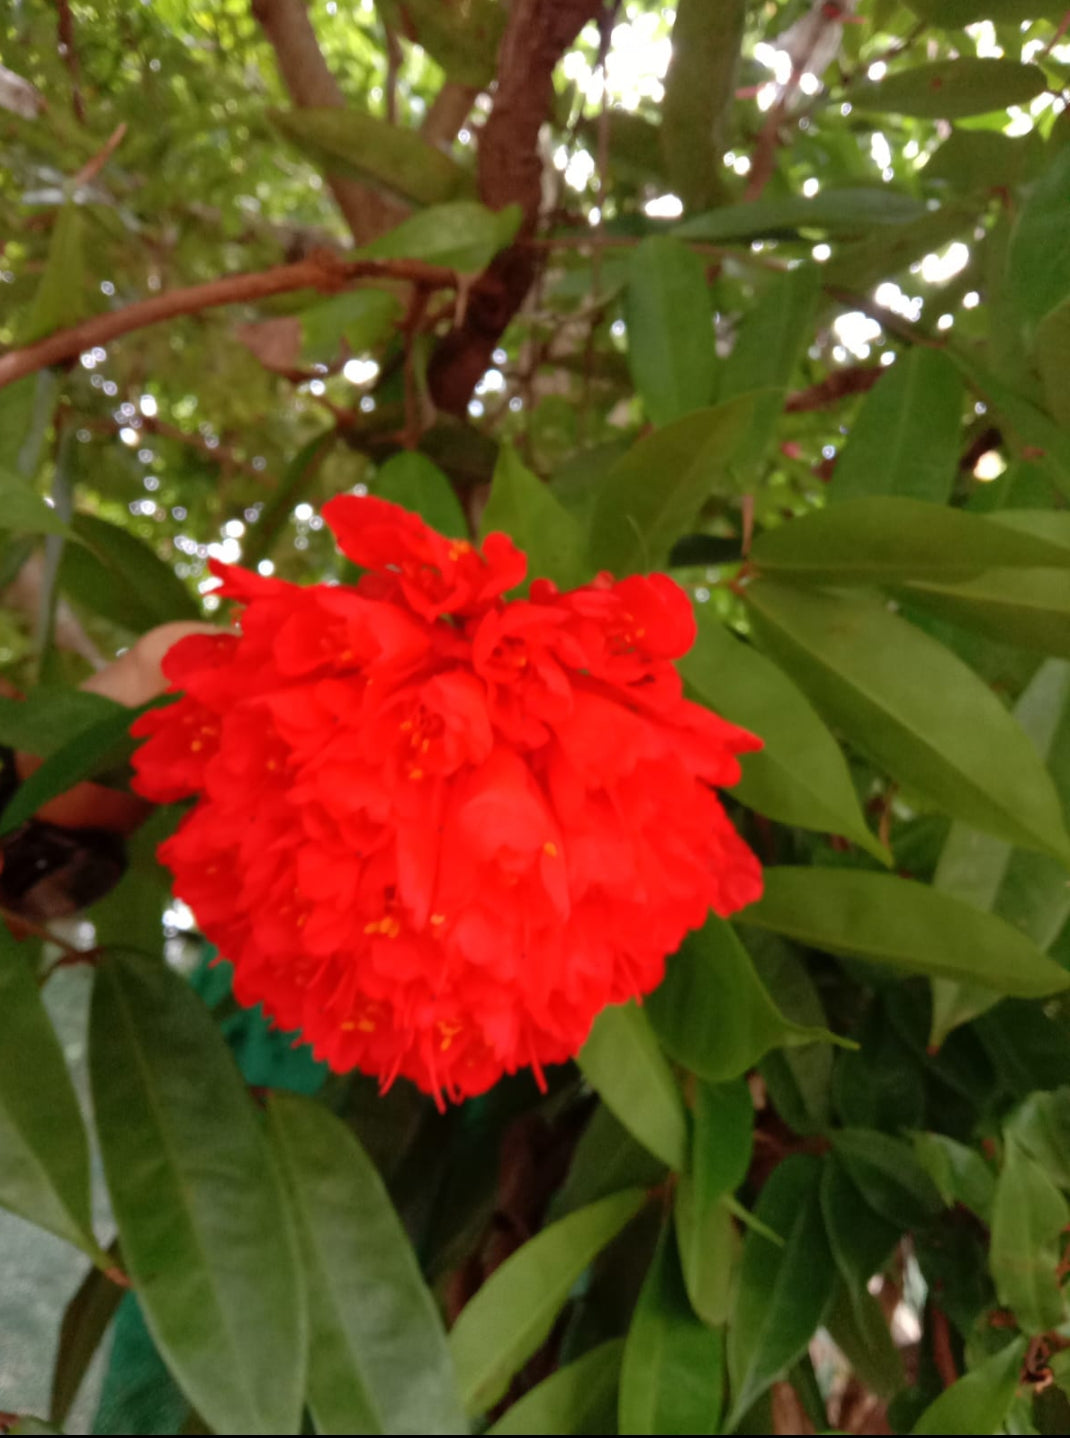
(139, 1395)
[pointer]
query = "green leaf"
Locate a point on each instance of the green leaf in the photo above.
(903, 923)
(1041, 1125)
(510, 1316)
(980, 1399)
(1023, 424)
(1039, 257)
(985, 159)
(105, 745)
(889, 251)
(711, 1011)
(378, 1358)
(859, 1329)
(889, 1176)
(354, 144)
(1052, 348)
(699, 92)
(297, 479)
(1028, 607)
(461, 235)
(412, 480)
(1028, 890)
(667, 309)
(672, 1379)
(799, 777)
(51, 715)
(884, 539)
(85, 1321)
(960, 1173)
(115, 574)
(771, 338)
(60, 298)
(799, 1080)
(361, 319)
(205, 1231)
(951, 89)
(32, 1425)
(1028, 1217)
(955, 14)
(913, 707)
(783, 1291)
(463, 38)
(720, 1156)
(906, 437)
(860, 1239)
(23, 511)
(578, 1398)
(833, 211)
(652, 494)
(521, 506)
(622, 1061)
(606, 1159)
(44, 1153)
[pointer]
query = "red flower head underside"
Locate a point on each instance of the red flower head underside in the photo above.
(437, 831)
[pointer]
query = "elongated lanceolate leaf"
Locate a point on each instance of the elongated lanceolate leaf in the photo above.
(667, 308)
(579, 1398)
(622, 1060)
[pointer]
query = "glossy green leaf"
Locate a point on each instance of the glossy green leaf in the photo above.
(859, 1329)
(889, 1176)
(913, 707)
(412, 480)
(607, 1158)
(105, 745)
(525, 508)
(206, 1234)
(52, 715)
(860, 1239)
(908, 925)
(799, 776)
(60, 298)
(1039, 257)
(980, 1399)
(699, 92)
(44, 1153)
(1041, 1125)
(767, 349)
(461, 235)
(799, 1080)
(1052, 349)
(378, 1357)
(623, 1062)
(508, 1319)
(86, 1319)
(669, 316)
(578, 1398)
(985, 159)
(882, 539)
(22, 511)
(889, 251)
(672, 1379)
(1029, 1215)
(1028, 607)
(652, 494)
(711, 1011)
(705, 1234)
(959, 1172)
(906, 437)
(951, 89)
(352, 143)
(358, 319)
(1025, 426)
(783, 1291)
(113, 573)
(833, 211)
(1028, 890)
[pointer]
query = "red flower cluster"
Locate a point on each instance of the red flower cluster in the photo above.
(437, 831)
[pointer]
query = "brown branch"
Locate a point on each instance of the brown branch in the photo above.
(537, 33)
(219, 454)
(840, 385)
(310, 83)
(449, 110)
(65, 38)
(320, 271)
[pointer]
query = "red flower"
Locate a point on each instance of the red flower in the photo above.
(437, 831)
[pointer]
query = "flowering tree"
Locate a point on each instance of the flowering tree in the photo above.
(574, 937)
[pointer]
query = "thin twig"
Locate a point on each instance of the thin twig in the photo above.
(65, 36)
(320, 271)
